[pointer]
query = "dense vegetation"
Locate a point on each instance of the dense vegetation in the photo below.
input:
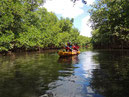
(25, 25)
(110, 20)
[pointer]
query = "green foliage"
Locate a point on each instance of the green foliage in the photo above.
(83, 41)
(24, 25)
(110, 23)
(5, 40)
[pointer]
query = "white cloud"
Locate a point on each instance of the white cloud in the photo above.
(89, 2)
(85, 27)
(85, 23)
(64, 7)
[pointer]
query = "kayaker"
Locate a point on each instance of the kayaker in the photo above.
(75, 47)
(68, 47)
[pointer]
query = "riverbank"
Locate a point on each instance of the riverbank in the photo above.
(10, 52)
(20, 50)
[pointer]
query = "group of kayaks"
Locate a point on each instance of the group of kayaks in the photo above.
(69, 53)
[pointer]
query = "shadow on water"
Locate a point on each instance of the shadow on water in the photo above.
(33, 74)
(90, 74)
(112, 79)
(68, 60)
(28, 75)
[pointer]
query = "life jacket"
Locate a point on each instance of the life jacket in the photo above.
(75, 47)
(67, 47)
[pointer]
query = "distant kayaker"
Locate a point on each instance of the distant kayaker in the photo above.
(68, 47)
(75, 47)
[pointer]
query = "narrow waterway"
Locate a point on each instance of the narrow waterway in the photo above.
(90, 74)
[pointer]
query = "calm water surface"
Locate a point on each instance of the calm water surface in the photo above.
(90, 74)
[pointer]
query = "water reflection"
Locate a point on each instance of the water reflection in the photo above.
(28, 75)
(90, 74)
(78, 83)
(68, 60)
(112, 79)
(84, 72)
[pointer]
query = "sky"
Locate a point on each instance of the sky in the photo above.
(79, 11)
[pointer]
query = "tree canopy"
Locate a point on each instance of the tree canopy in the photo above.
(110, 20)
(24, 25)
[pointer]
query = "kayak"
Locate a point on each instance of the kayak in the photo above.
(64, 53)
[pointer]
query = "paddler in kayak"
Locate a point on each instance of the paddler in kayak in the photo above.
(75, 47)
(71, 48)
(68, 47)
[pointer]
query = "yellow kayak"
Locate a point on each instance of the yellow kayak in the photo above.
(64, 53)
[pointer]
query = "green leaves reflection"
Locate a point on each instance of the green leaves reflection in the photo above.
(112, 79)
(29, 75)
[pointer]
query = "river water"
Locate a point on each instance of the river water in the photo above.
(98, 73)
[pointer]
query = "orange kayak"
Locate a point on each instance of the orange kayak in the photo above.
(64, 53)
